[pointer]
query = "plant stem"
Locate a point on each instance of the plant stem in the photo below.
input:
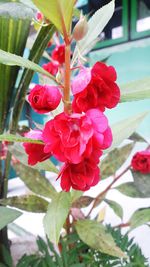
(107, 189)
(67, 103)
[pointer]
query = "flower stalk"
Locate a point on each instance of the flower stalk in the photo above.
(67, 102)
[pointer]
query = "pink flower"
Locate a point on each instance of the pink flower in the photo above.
(78, 136)
(39, 16)
(35, 151)
(58, 54)
(45, 98)
(79, 176)
(141, 161)
(95, 88)
(51, 67)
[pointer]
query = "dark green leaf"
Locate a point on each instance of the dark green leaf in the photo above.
(30, 203)
(7, 216)
(142, 183)
(111, 163)
(130, 190)
(95, 235)
(36, 182)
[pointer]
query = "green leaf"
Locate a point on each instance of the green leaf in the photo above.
(36, 182)
(56, 215)
(14, 60)
(30, 203)
(123, 129)
(18, 151)
(14, 29)
(82, 202)
(142, 183)
(75, 194)
(136, 90)
(7, 216)
(16, 138)
(95, 235)
(137, 137)
(96, 25)
(140, 217)
(115, 206)
(57, 12)
(129, 189)
(114, 160)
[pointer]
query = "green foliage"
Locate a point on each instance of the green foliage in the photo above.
(7, 216)
(130, 189)
(35, 181)
(58, 12)
(139, 217)
(115, 206)
(95, 235)
(75, 253)
(56, 215)
(136, 90)
(30, 203)
(16, 138)
(114, 160)
(142, 183)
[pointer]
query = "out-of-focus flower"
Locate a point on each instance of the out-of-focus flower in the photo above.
(39, 16)
(35, 151)
(45, 98)
(51, 67)
(141, 161)
(58, 54)
(95, 88)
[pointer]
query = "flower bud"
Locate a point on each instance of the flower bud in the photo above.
(80, 29)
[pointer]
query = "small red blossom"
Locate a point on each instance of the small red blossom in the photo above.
(74, 137)
(95, 88)
(58, 54)
(51, 67)
(80, 176)
(141, 162)
(35, 151)
(45, 98)
(39, 16)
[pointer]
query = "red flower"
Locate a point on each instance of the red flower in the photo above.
(141, 161)
(35, 151)
(45, 98)
(51, 67)
(58, 54)
(39, 16)
(95, 88)
(79, 176)
(78, 136)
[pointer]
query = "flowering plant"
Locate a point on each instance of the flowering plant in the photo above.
(77, 133)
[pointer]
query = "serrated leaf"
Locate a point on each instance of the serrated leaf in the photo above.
(129, 189)
(114, 160)
(18, 151)
(7, 216)
(96, 25)
(140, 217)
(58, 12)
(36, 182)
(30, 203)
(115, 206)
(124, 128)
(20, 139)
(136, 90)
(82, 202)
(14, 60)
(56, 215)
(142, 183)
(95, 235)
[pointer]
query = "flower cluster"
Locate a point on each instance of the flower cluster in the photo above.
(141, 162)
(77, 139)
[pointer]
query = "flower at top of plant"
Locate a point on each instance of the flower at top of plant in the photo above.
(51, 67)
(45, 98)
(58, 54)
(74, 137)
(141, 161)
(95, 88)
(79, 176)
(35, 152)
(39, 16)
